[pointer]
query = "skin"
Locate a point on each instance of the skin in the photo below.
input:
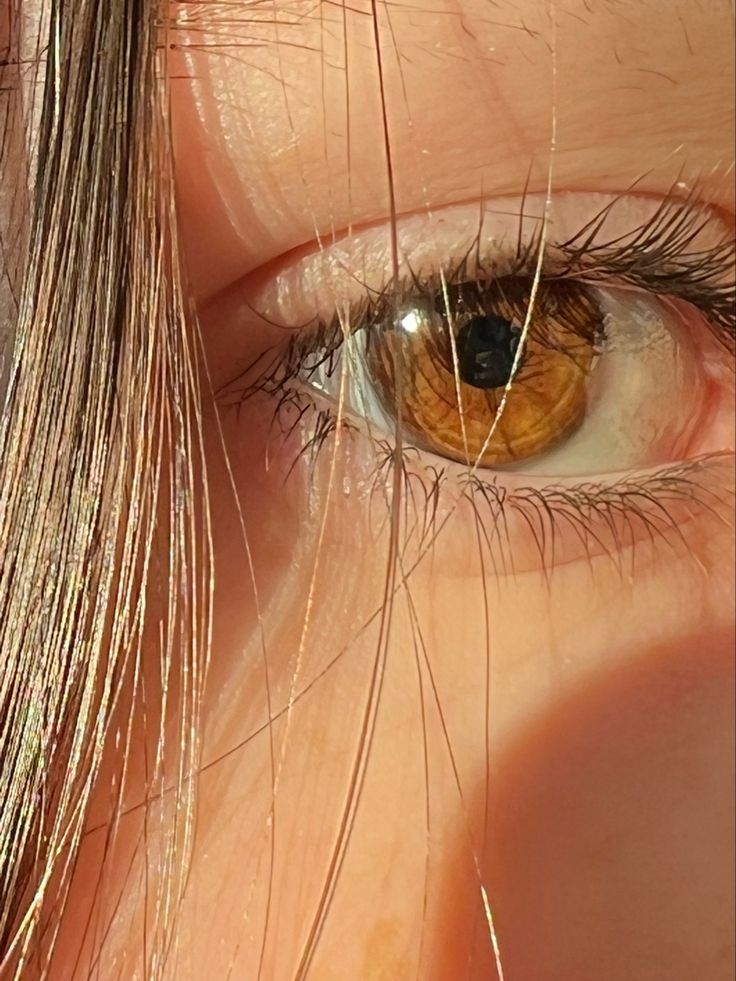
(568, 747)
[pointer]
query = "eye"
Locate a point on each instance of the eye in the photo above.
(606, 379)
(614, 358)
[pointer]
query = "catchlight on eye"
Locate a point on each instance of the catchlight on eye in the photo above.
(456, 351)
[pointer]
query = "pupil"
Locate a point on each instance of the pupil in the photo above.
(486, 346)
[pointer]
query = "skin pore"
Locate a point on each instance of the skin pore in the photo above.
(551, 730)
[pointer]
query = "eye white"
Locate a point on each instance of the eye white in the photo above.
(645, 391)
(361, 397)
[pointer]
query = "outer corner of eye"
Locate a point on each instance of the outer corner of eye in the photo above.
(714, 419)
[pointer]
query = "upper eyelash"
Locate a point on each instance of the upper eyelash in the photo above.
(657, 257)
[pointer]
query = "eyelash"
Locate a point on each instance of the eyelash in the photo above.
(657, 257)
(653, 258)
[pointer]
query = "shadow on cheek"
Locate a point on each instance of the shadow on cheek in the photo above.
(610, 853)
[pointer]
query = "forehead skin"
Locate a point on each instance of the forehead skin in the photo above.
(281, 111)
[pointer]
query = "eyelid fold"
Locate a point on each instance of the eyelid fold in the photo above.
(667, 247)
(336, 278)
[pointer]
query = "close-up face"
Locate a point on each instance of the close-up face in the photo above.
(460, 276)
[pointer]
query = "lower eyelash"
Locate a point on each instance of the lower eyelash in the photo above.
(522, 526)
(608, 519)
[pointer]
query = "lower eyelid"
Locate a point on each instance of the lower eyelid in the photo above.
(625, 526)
(527, 525)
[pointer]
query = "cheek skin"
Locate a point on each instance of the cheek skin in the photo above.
(565, 655)
(618, 733)
(611, 832)
(584, 654)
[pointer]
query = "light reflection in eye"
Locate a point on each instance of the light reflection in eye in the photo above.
(451, 408)
(411, 321)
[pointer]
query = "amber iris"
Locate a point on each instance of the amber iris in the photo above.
(456, 349)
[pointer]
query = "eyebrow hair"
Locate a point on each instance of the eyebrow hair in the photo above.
(247, 17)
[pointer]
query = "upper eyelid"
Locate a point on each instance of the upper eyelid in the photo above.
(286, 318)
(668, 246)
(335, 277)
(299, 122)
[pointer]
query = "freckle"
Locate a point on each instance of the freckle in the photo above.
(385, 955)
(318, 740)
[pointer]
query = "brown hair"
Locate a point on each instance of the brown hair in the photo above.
(100, 435)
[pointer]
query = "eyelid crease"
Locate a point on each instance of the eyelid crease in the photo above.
(669, 246)
(652, 258)
(679, 252)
